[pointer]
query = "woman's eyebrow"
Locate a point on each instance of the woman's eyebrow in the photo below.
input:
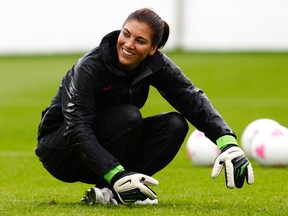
(139, 37)
(126, 30)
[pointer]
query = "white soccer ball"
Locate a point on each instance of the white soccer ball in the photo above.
(201, 151)
(252, 130)
(270, 147)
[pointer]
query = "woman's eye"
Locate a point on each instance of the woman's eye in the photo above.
(125, 34)
(140, 41)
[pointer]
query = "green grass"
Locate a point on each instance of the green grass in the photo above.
(242, 87)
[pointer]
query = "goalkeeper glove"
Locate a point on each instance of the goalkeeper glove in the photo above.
(130, 187)
(237, 166)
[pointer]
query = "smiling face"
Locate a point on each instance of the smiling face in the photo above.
(134, 44)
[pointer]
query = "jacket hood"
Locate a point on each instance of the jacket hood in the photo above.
(108, 52)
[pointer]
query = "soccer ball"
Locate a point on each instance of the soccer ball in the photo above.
(252, 130)
(201, 151)
(270, 147)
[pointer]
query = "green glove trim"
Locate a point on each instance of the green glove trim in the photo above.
(109, 175)
(225, 140)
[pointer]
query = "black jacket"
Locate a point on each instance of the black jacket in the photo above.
(94, 83)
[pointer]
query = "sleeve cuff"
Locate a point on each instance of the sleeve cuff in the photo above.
(225, 140)
(109, 175)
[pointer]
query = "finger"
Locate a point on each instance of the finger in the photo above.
(239, 181)
(147, 192)
(147, 180)
(250, 174)
(229, 174)
(217, 168)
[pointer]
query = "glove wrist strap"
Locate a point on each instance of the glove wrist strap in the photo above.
(109, 175)
(225, 140)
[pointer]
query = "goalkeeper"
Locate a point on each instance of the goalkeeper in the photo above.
(93, 131)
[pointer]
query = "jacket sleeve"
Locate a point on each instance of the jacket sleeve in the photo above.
(78, 105)
(190, 101)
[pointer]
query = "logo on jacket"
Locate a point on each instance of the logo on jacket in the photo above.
(107, 88)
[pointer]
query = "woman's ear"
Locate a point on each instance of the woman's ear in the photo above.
(153, 50)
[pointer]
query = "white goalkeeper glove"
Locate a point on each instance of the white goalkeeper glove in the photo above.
(237, 166)
(131, 187)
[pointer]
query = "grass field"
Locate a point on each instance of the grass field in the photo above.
(242, 87)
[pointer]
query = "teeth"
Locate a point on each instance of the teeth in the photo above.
(126, 52)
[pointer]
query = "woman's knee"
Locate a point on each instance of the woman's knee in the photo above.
(123, 114)
(131, 113)
(117, 122)
(178, 123)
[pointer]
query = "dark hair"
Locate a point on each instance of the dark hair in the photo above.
(158, 26)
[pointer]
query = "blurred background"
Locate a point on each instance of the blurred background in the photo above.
(38, 26)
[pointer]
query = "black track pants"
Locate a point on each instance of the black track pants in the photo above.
(144, 145)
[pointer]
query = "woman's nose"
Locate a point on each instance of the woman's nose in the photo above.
(130, 44)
